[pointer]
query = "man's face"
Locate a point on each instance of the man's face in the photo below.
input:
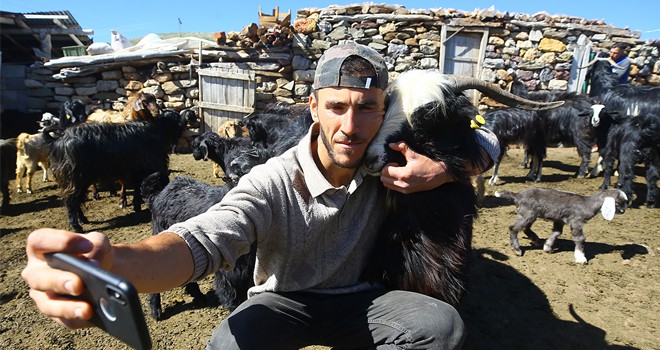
(616, 53)
(349, 119)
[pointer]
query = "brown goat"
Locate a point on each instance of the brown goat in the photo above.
(141, 106)
(31, 151)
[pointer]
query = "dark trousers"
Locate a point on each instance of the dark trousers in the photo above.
(375, 319)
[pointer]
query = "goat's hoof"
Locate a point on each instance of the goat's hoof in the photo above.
(29, 191)
(548, 249)
(582, 261)
(518, 252)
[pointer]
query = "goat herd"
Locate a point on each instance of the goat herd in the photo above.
(426, 243)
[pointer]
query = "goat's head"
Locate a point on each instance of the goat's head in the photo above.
(202, 143)
(142, 106)
(242, 162)
(47, 119)
(614, 201)
(432, 104)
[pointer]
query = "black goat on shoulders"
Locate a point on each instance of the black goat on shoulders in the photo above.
(89, 153)
(176, 201)
(426, 236)
(634, 140)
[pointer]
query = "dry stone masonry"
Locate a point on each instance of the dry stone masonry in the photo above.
(536, 48)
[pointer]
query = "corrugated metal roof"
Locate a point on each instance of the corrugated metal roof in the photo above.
(20, 34)
(70, 22)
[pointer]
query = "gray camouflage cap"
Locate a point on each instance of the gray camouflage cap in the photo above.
(328, 69)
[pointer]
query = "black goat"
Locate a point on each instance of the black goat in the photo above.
(235, 156)
(178, 200)
(620, 101)
(89, 153)
(569, 125)
(426, 236)
(72, 112)
(634, 140)
(278, 125)
(271, 134)
(7, 168)
(517, 126)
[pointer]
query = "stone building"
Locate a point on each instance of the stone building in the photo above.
(544, 51)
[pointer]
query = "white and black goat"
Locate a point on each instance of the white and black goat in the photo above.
(426, 236)
(178, 200)
(561, 208)
(632, 141)
(71, 112)
(89, 153)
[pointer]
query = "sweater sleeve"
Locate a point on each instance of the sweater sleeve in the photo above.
(490, 145)
(219, 236)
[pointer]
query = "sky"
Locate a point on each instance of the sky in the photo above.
(136, 19)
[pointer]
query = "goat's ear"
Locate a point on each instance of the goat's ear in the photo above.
(204, 149)
(608, 208)
(137, 106)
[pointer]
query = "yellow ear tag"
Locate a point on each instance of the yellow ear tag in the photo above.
(68, 116)
(477, 122)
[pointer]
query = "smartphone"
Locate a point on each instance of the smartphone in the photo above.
(117, 308)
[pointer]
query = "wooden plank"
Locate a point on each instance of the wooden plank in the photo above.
(226, 107)
(246, 75)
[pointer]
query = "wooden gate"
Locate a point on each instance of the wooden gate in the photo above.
(462, 54)
(226, 92)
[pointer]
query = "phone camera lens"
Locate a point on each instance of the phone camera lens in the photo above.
(106, 308)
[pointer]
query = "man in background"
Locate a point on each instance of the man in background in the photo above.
(619, 58)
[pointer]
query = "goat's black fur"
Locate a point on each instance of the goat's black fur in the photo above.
(621, 101)
(178, 200)
(72, 112)
(516, 126)
(271, 134)
(7, 168)
(635, 140)
(569, 124)
(89, 153)
(425, 243)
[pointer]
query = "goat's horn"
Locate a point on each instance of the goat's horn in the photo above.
(591, 63)
(502, 96)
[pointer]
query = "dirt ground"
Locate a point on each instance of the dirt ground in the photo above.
(537, 301)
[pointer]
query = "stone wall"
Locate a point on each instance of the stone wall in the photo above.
(534, 48)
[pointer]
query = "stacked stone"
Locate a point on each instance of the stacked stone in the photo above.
(170, 82)
(537, 49)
